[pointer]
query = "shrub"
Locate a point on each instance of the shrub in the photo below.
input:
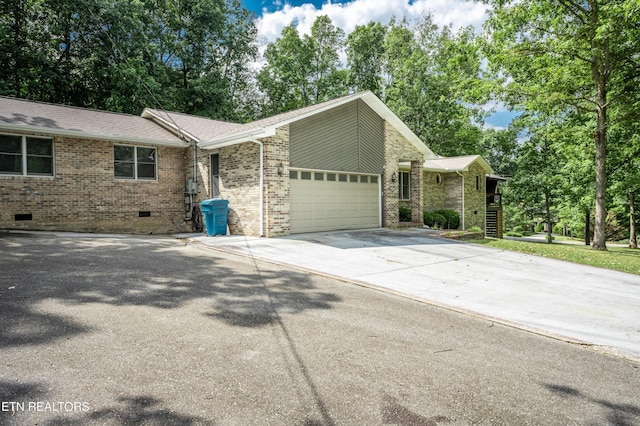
(475, 229)
(428, 218)
(540, 227)
(405, 214)
(439, 220)
(452, 218)
(513, 234)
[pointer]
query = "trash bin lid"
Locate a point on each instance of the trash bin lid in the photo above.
(214, 202)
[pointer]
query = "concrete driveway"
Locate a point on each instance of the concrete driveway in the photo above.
(581, 304)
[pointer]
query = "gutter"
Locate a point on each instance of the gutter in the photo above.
(248, 136)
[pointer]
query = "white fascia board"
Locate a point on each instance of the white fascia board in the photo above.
(238, 138)
(444, 169)
(169, 125)
(95, 136)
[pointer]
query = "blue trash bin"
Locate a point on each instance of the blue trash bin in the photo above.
(215, 212)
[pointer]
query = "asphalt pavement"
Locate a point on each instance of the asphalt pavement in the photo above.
(151, 330)
(577, 303)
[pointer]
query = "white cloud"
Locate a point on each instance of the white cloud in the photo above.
(347, 16)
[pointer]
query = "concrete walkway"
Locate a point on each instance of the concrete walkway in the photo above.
(581, 304)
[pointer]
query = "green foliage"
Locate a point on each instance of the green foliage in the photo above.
(619, 259)
(556, 60)
(301, 71)
(123, 55)
(405, 214)
(365, 51)
(441, 219)
(451, 218)
(475, 229)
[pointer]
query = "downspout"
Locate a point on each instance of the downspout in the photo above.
(261, 209)
(462, 197)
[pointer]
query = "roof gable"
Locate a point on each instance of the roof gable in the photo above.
(29, 116)
(456, 164)
(266, 127)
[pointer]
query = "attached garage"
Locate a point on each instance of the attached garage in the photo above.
(325, 201)
(336, 160)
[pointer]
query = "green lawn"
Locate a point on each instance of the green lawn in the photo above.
(617, 258)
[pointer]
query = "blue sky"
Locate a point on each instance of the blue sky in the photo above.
(347, 14)
(257, 6)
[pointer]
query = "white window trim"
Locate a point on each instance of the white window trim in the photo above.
(135, 164)
(23, 153)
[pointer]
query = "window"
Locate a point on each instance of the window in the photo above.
(477, 183)
(331, 177)
(26, 155)
(134, 162)
(374, 179)
(215, 175)
(364, 179)
(318, 176)
(293, 174)
(305, 175)
(404, 190)
(438, 178)
(353, 178)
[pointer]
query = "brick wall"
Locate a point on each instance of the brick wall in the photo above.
(398, 149)
(84, 196)
(239, 184)
(434, 193)
(475, 199)
(277, 204)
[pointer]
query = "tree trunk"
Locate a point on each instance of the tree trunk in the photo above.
(587, 230)
(547, 202)
(599, 228)
(633, 241)
(600, 74)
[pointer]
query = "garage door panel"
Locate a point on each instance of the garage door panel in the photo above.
(331, 201)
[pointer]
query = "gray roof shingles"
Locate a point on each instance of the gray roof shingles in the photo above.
(73, 121)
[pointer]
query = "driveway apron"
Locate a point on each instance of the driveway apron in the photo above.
(577, 303)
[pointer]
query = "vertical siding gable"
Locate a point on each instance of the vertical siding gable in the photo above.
(347, 138)
(371, 139)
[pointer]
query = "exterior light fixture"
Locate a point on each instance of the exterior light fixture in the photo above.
(394, 177)
(280, 169)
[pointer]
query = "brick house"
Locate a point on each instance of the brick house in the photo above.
(347, 163)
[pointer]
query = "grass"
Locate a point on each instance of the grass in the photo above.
(617, 258)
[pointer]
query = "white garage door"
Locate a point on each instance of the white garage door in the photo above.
(326, 201)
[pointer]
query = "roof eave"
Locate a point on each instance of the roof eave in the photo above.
(169, 125)
(86, 135)
(247, 136)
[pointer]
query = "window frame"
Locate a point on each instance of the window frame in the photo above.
(404, 180)
(24, 156)
(214, 163)
(136, 163)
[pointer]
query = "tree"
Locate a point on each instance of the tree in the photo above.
(123, 55)
(537, 181)
(365, 53)
(429, 70)
(301, 71)
(327, 79)
(284, 78)
(565, 55)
